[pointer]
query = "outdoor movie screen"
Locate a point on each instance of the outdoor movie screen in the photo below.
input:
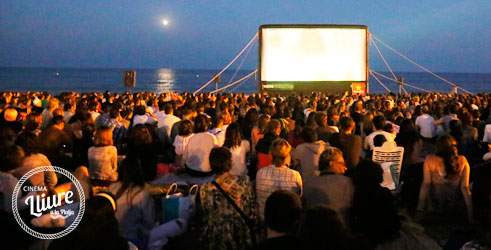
(313, 54)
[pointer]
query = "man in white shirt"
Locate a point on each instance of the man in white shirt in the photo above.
(168, 119)
(425, 123)
(378, 126)
(143, 116)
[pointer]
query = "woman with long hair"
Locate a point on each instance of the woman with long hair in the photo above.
(445, 183)
(136, 215)
(259, 130)
(98, 228)
(238, 147)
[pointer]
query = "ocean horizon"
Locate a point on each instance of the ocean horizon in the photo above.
(62, 79)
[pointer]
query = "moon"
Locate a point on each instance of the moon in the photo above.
(165, 22)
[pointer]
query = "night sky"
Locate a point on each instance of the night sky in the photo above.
(445, 36)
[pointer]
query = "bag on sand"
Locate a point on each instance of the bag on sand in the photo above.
(175, 205)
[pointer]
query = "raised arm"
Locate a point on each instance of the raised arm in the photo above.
(425, 186)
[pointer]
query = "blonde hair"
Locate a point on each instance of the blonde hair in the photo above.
(103, 137)
(280, 150)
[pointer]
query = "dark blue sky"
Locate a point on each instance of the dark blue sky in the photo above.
(445, 36)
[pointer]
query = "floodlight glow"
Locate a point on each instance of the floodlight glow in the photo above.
(313, 54)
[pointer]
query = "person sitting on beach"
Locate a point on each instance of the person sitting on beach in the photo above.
(378, 126)
(263, 146)
(426, 124)
(103, 158)
(142, 115)
(186, 114)
(48, 112)
(277, 176)
(141, 145)
(167, 120)
(136, 212)
(93, 105)
(446, 185)
(323, 131)
(349, 143)
(217, 129)
(198, 148)
(238, 147)
(306, 155)
(181, 141)
(222, 226)
(54, 142)
(282, 215)
(331, 187)
(98, 228)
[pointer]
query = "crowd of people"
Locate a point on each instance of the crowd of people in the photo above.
(289, 172)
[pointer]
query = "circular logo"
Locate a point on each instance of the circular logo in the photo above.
(57, 205)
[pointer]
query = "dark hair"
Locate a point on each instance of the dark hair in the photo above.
(140, 110)
(308, 135)
(456, 129)
(97, 230)
(446, 149)
(345, 123)
(233, 137)
(67, 106)
(220, 160)
(407, 125)
(319, 118)
(368, 172)
(140, 135)
(200, 124)
(57, 120)
(379, 122)
(28, 142)
(407, 140)
(185, 127)
(379, 140)
(282, 211)
(131, 177)
(168, 108)
(11, 158)
(322, 228)
(31, 123)
(114, 113)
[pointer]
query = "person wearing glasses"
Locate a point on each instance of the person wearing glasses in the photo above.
(445, 197)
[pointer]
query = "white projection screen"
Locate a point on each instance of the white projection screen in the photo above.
(320, 53)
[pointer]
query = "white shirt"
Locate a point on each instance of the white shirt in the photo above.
(166, 121)
(94, 115)
(142, 119)
(219, 134)
(180, 143)
(487, 133)
(198, 150)
(369, 139)
(239, 158)
(426, 126)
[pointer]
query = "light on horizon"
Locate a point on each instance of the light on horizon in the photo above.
(165, 22)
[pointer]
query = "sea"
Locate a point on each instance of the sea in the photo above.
(57, 80)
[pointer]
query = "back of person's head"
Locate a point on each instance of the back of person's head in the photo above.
(33, 121)
(425, 109)
(233, 137)
(168, 109)
(67, 107)
(456, 129)
(378, 122)
(321, 118)
(201, 124)
(93, 106)
(57, 121)
(131, 176)
(329, 155)
(114, 113)
(7, 136)
(322, 228)
(217, 121)
(220, 160)
(263, 123)
(407, 125)
(187, 113)
(273, 127)
(185, 128)
(379, 140)
(103, 137)
(28, 142)
(447, 149)
(140, 135)
(280, 151)
(140, 110)
(282, 211)
(346, 123)
(368, 172)
(308, 135)
(11, 157)
(389, 128)
(98, 228)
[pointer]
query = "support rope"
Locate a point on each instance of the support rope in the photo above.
(419, 66)
(240, 65)
(388, 90)
(383, 58)
(240, 80)
(409, 85)
(226, 67)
